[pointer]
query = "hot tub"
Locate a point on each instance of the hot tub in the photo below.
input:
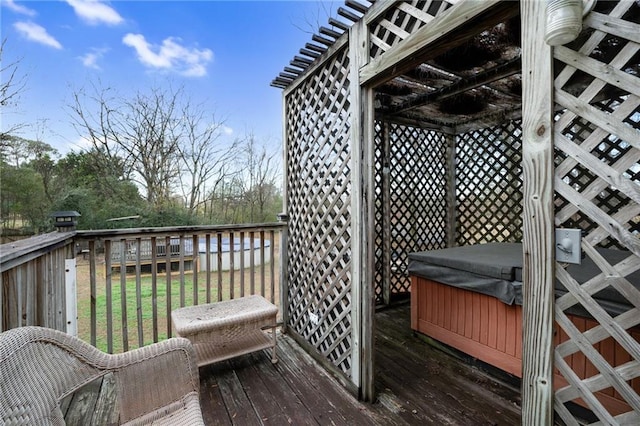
(470, 299)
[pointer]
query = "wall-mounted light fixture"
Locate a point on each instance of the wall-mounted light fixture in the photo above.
(564, 20)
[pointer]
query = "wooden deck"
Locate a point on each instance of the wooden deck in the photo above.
(416, 384)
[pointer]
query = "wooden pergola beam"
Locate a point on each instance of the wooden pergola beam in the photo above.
(356, 6)
(348, 14)
(290, 70)
(338, 24)
(489, 120)
(422, 122)
(322, 40)
(493, 74)
(315, 48)
(329, 32)
(459, 24)
(309, 53)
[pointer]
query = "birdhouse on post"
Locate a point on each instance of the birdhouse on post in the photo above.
(65, 221)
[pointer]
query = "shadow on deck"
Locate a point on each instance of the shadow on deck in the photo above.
(416, 384)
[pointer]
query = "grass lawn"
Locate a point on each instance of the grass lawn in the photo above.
(139, 316)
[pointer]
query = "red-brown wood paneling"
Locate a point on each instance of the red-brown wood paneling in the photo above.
(491, 331)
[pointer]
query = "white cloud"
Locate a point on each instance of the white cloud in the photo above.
(18, 8)
(90, 59)
(170, 56)
(95, 12)
(227, 130)
(35, 32)
(82, 143)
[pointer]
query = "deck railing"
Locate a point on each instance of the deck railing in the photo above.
(129, 280)
(32, 284)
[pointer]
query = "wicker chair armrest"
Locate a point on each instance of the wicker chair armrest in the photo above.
(153, 378)
(158, 382)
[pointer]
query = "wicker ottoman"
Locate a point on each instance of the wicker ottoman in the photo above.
(228, 329)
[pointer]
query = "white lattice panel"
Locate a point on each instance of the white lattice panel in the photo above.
(416, 166)
(319, 204)
(489, 185)
(399, 21)
(597, 136)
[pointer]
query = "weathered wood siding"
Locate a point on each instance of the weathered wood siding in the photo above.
(487, 329)
(32, 287)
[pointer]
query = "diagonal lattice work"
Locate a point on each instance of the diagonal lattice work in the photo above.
(319, 204)
(597, 141)
(381, 166)
(489, 185)
(401, 20)
(411, 200)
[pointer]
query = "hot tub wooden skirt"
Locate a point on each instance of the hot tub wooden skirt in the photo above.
(491, 331)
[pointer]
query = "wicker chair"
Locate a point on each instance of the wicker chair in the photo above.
(42, 369)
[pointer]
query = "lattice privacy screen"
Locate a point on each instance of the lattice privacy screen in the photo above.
(414, 218)
(489, 185)
(319, 208)
(411, 206)
(400, 21)
(596, 181)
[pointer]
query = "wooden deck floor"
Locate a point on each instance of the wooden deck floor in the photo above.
(416, 384)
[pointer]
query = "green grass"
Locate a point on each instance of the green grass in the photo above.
(146, 306)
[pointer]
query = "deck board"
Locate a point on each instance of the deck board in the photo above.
(416, 384)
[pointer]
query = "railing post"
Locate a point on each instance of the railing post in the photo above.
(284, 287)
(70, 280)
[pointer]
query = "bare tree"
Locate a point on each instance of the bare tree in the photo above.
(204, 159)
(143, 132)
(167, 144)
(11, 85)
(261, 172)
(150, 136)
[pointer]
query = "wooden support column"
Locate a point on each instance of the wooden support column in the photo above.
(538, 239)
(284, 217)
(284, 270)
(451, 189)
(362, 217)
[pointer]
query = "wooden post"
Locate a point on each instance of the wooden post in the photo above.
(362, 223)
(284, 217)
(538, 239)
(451, 188)
(71, 301)
(123, 294)
(284, 271)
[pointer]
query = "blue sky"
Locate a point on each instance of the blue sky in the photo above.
(224, 53)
